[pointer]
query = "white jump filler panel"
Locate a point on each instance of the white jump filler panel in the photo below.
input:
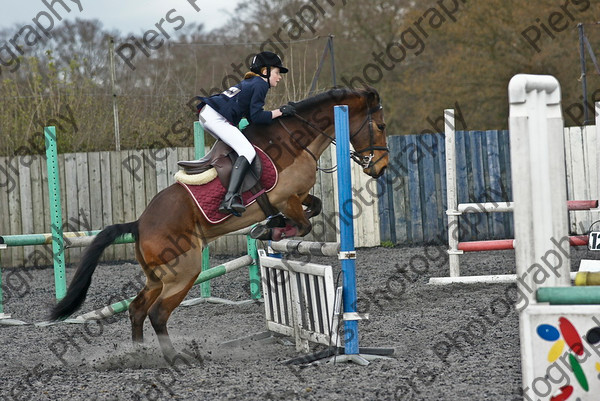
(538, 170)
(564, 341)
(299, 300)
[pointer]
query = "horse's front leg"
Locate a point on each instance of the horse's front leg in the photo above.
(293, 222)
(313, 206)
(297, 215)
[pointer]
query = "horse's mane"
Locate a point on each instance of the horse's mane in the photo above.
(336, 94)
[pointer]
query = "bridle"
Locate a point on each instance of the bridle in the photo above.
(367, 161)
(364, 161)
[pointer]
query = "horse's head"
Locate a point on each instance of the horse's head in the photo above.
(368, 133)
(311, 130)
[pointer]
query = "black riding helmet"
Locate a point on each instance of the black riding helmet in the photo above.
(268, 60)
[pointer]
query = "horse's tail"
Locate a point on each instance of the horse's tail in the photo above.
(83, 276)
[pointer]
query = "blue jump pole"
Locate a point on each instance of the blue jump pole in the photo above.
(347, 250)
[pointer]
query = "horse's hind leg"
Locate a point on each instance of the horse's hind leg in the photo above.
(170, 297)
(138, 309)
(177, 277)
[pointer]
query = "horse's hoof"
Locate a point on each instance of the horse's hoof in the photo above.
(261, 232)
(184, 358)
(174, 358)
(276, 221)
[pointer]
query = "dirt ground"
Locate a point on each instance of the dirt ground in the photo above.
(457, 342)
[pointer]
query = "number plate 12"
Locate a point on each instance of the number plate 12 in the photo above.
(594, 241)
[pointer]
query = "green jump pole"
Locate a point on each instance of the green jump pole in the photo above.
(45, 239)
(58, 247)
(199, 153)
(40, 239)
(223, 269)
(1, 294)
(253, 269)
(569, 295)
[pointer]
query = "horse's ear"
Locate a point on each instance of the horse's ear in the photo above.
(372, 96)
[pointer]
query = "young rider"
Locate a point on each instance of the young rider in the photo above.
(221, 114)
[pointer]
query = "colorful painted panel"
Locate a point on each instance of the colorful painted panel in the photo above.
(560, 352)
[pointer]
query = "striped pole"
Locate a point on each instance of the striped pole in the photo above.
(347, 251)
(58, 246)
(306, 247)
(204, 276)
(70, 239)
(505, 244)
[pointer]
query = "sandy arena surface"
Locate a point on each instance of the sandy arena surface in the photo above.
(452, 343)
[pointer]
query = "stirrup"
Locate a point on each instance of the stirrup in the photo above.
(233, 205)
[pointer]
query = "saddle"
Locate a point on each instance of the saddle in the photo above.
(221, 157)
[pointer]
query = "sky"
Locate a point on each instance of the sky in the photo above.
(125, 15)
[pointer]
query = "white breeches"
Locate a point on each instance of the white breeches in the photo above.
(223, 130)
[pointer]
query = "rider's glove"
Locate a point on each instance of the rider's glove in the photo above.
(287, 110)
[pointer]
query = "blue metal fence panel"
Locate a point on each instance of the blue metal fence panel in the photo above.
(478, 191)
(412, 201)
(414, 189)
(400, 191)
(429, 194)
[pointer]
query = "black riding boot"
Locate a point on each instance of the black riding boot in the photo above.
(233, 202)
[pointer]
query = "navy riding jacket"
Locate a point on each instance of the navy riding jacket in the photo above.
(245, 99)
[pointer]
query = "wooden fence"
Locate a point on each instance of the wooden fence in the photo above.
(412, 199)
(405, 206)
(103, 188)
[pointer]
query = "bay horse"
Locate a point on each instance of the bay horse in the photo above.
(171, 232)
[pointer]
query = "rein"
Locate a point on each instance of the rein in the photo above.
(295, 140)
(363, 161)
